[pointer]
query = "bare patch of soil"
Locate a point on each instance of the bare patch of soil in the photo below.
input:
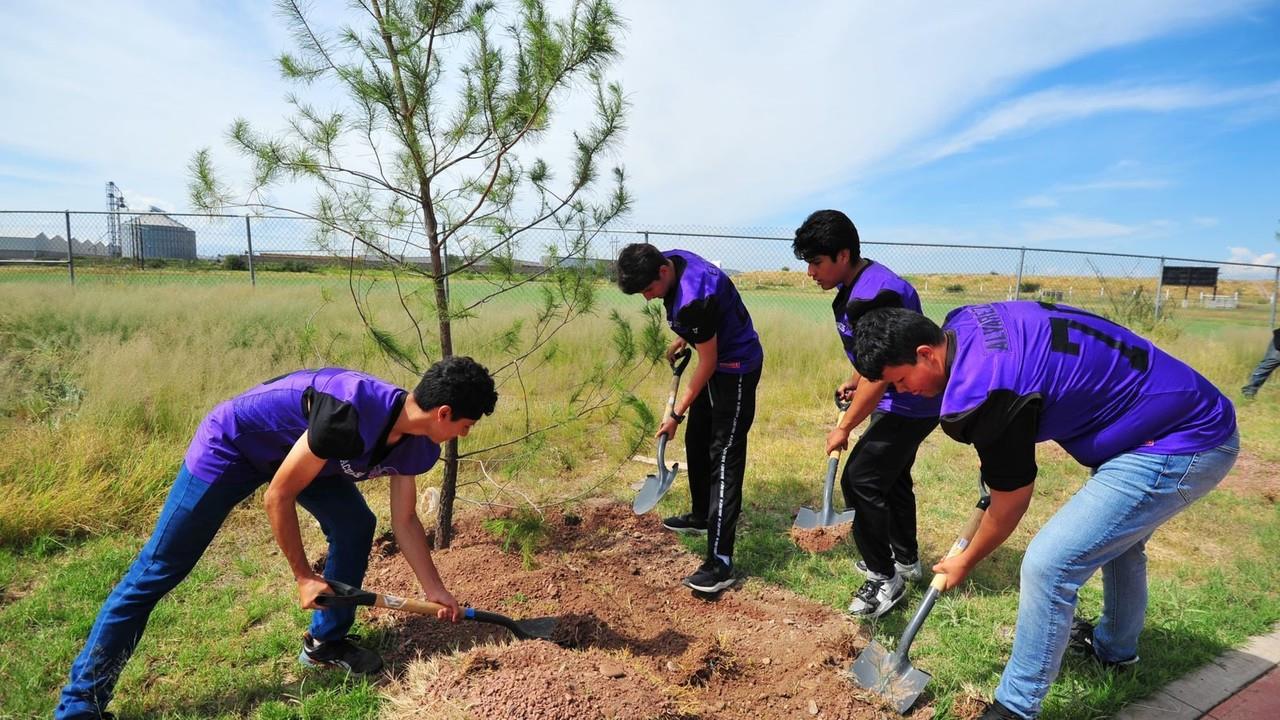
(1252, 477)
(640, 644)
(821, 539)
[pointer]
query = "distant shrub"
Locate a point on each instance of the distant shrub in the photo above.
(235, 262)
(1029, 287)
(956, 288)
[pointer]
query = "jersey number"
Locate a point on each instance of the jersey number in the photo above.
(1060, 341)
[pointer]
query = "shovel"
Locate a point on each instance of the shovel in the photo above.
(890, 675)
(808, 518)
(657, 485)
(345, 595)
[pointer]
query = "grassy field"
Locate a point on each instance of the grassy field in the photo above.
(104, 384)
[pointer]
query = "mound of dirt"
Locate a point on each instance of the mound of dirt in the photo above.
(821, 539)
(639, 644)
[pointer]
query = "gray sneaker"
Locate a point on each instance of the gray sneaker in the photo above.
(910, 573)
(877, 596)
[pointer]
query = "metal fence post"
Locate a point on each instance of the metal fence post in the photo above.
(1275, 296)
(248, 236)
(1159, 288)
(71, 257)
(1017, 286)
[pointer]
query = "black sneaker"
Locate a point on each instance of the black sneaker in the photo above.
(997, 711)
(877, 596)
(1082, 642)
(686, 524)
(339, 654)
(712, 577)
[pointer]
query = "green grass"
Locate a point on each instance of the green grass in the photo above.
(103, 385)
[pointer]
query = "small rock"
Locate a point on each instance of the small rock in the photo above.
(635, 571)
(813, 707)
(671, 667)
(788, 621)
(610, 670)
(765, 661)
(717, 707)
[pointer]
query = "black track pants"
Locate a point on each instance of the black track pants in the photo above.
(877, 485)
(716, 447)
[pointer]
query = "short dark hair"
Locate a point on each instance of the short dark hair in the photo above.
(461, 383)
(826, 232)
(890, 336)
(638, 265)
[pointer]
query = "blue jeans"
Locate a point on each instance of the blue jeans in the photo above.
(192, 515)
(1266, 366)
(1104, 525)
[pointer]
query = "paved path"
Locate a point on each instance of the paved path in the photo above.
(1242, 684)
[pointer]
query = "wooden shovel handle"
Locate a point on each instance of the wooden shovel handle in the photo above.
(962, 542)
(422, 607)
(844, 410)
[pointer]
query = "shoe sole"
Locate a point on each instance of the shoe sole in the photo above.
(686, 531)
(715, 588)
(883, 608)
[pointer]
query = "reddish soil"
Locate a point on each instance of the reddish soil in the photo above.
(1251, 477)
(821, 539)
(642, 646)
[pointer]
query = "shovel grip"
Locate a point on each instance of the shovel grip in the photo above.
(962, 542)
(422, 607)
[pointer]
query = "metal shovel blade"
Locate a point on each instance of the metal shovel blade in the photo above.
(810, 519)
(532, 629)
(655, 486)
(890, 676)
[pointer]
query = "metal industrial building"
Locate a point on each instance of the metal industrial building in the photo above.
(154, 236)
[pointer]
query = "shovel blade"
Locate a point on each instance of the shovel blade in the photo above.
(655, 486)
(810, 519)
(807, 519)
(536, 629)
(889, 676)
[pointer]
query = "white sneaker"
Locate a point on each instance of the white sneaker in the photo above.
(877, 596)
(910, 573)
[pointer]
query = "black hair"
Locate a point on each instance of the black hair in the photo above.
(826, 232)
(638, 265)
(461, 383)
(890, 336)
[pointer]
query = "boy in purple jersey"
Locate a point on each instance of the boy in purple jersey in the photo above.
(704, 308)
(309, 436)
(1155, 433)
(877, 480)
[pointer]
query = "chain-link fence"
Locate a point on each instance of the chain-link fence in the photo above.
(125, 248)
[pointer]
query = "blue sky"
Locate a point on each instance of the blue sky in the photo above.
(1143, 126)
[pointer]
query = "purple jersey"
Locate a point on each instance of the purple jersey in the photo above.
(1096, 388)
(704, 304)
(877, 286)
(346, 414)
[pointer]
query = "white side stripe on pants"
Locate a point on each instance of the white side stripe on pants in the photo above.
(724, 456)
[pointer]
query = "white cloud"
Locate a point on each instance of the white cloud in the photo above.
(1072, 227)
(1137, 184)
(1246, 255)
(1206, 222)
(1058, 105)
(739, 110)
(1038, 201)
